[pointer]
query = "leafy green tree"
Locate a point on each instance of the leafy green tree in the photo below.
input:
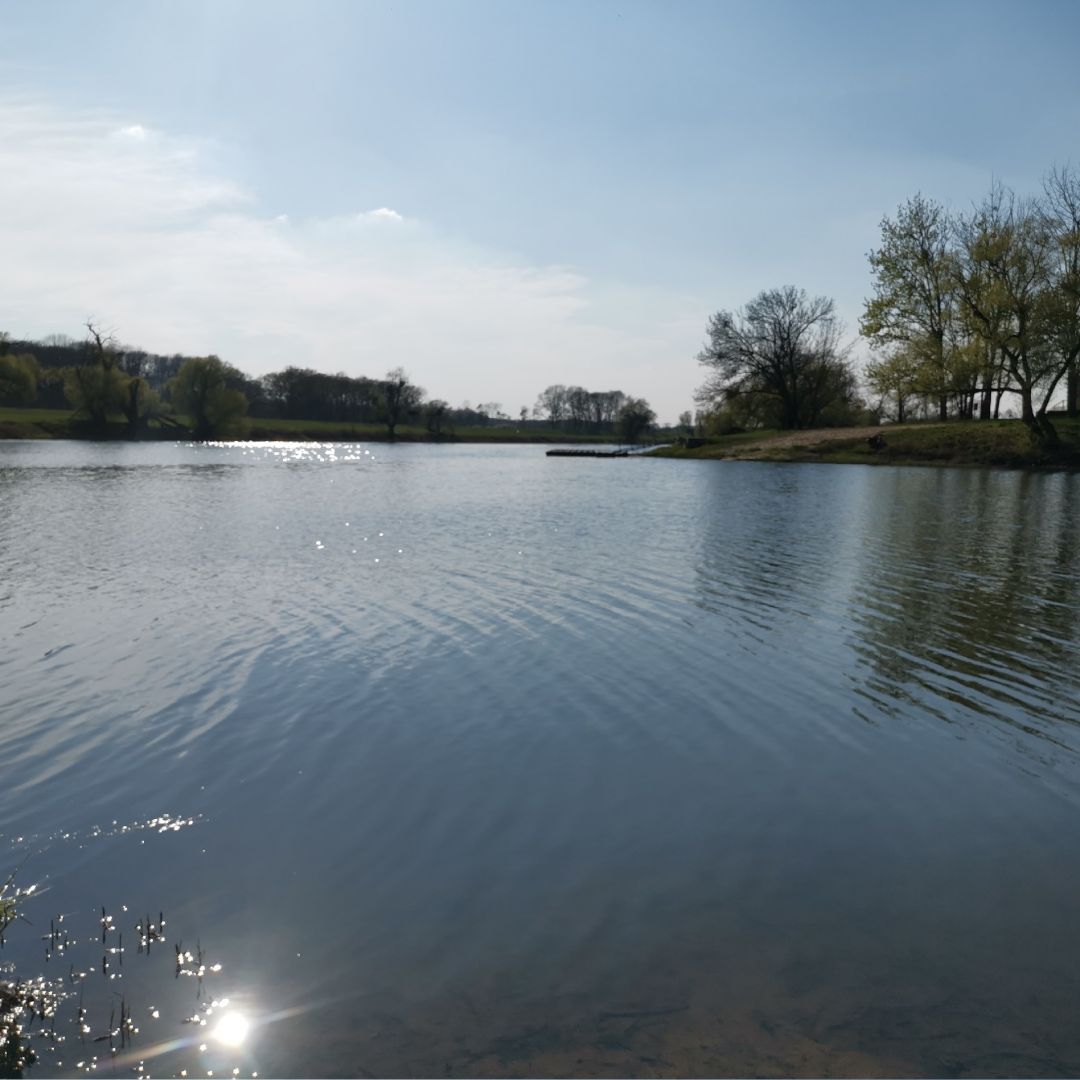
(437, 416)
(18, 379)
(399, 398)
(736, 414)
(635, 419)
(781, 351)
(138, 399)
(915, 301)
(94, 390)
(686, 422)
(137, 402)
(51, 393)
(841, 404)
(1007, 290)
(895, 376)
(202, 389)
(720, 420)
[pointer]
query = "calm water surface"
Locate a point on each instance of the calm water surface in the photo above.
(478, 762)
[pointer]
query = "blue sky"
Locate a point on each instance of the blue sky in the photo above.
(496, 196)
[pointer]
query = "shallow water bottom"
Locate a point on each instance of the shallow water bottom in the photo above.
(820, 1033)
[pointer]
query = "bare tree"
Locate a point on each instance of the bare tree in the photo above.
(578, 406)
(552, 403)
(96, 386)
(783, 348)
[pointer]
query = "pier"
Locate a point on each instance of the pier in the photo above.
(588, 453)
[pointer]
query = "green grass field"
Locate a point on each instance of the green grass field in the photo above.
(64, 424)
(35, 423)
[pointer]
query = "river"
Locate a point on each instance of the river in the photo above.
(461, 760)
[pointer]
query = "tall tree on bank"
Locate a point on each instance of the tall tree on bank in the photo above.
(1061, 218)
(96, 385)
(19, 376)
(436, 416)
(635, 419)
(916, 294)
(399, 398)
(202, 390)
(782, 350)
(137, 399)
(1006, 284)
(894, 376)
(552, 403)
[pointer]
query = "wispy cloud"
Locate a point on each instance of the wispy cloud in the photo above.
(384, 213)
(138, 228)
(134, 131)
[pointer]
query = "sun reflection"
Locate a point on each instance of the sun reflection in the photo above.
(232, 1029)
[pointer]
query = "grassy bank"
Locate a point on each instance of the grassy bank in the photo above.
(998, 443)
(62, 424)
(35, 423)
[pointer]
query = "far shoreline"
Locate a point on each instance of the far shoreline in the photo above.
(1000, 444)
(46, 424)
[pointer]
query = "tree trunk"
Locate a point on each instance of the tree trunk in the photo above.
(987, 403)
(1043, 431)
(1072, 388)
(943, 408)
(133, 409)
(1027, 412)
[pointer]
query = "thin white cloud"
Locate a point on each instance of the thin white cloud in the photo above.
(146, 234)
(134, 131)
(384, 213)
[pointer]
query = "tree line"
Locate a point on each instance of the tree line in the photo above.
(605, 411)
(99, 378)
(968, 307)
(965, 308)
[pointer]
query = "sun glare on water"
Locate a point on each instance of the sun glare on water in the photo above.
(232, 1029)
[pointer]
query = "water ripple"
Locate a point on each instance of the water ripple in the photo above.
(496, 723)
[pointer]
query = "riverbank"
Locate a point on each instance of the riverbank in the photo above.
(993, 443)
(62, 424)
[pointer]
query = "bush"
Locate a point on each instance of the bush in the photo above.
(18, 380)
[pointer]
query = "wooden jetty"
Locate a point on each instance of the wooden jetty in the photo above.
(624, 452)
